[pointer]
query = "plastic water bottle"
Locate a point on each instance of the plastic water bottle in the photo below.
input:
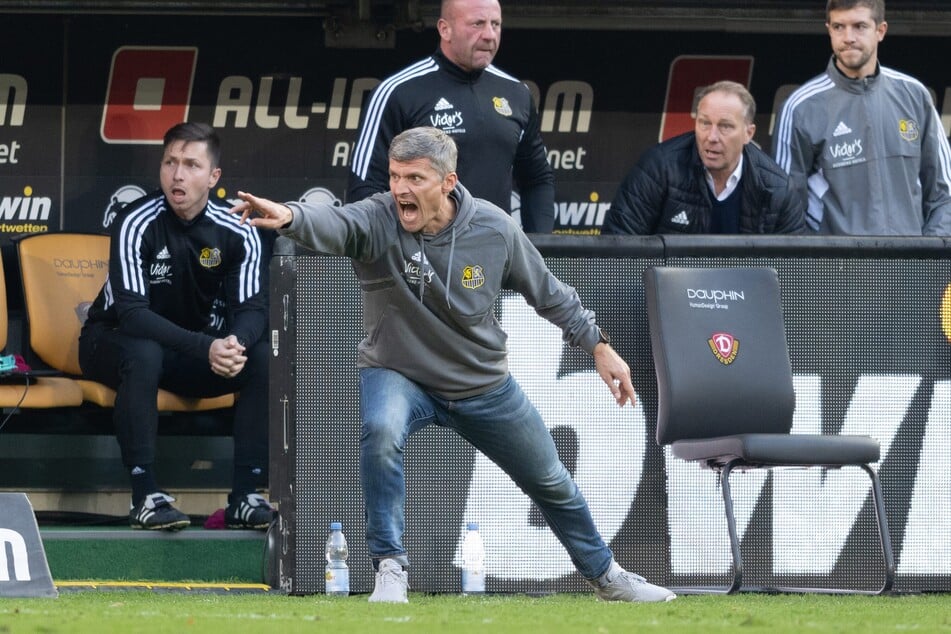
(473, 560)
(337, 576)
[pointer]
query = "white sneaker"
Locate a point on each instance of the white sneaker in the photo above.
(617, 584)
(392, 583)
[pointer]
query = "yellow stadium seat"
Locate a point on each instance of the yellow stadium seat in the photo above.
(33, 392)
(62, 274)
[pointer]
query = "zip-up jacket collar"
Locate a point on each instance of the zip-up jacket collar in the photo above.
(856, 86)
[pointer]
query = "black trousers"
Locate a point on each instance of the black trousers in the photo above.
(135, 368)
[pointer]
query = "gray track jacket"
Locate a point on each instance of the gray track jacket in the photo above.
(870, 154)
(429, 302)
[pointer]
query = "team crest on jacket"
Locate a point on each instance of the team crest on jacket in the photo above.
(724, 346)
(908, 129)
(210, 257)
(502, 106)
(473, 276)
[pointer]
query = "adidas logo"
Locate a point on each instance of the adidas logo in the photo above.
(841, 129)
(681, 218)
(419, 257)
(163, 254)
(137, 471)
(442, 104)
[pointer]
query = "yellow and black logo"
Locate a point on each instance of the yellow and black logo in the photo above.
(502, 106)
(473, 277)
(210, 257)
(908, 129)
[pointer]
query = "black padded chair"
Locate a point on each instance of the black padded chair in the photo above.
(720, 331)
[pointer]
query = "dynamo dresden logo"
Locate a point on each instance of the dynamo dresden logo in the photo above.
(724, 347)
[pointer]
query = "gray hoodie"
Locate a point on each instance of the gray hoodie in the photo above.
(429, 301)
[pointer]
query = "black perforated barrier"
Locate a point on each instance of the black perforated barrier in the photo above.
(867, 323)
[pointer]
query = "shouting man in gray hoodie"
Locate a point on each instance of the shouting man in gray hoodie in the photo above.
(431, 261)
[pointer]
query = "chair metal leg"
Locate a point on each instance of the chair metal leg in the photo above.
(737, 581)
(731, 527)
(884, 537)
(723, 473)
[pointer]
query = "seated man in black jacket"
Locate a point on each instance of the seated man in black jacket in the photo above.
(711, 180)
(177, 261)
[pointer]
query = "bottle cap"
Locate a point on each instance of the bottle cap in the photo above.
(336, 526)
(473, 526)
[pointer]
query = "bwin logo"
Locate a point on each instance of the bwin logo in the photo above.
(21, 561)
(26, 207)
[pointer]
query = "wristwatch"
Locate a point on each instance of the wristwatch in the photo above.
(603, 337)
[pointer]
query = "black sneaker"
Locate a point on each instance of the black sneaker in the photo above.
(250, 511)
(155, 512)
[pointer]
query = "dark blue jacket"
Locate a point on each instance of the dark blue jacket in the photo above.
(667, 192)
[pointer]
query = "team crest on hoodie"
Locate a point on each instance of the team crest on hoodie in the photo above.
(501, 105)
(473, 276)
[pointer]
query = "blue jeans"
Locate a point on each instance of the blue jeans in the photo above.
(502, 424)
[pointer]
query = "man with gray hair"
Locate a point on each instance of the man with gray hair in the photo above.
(432, 260)
(710, 180)
(863, 144)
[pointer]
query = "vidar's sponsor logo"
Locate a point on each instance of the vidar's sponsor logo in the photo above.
(445, 120)
(418, 271)
(160, 271)
(448, 122)
(473, 276)
(847, 152)
(724, 347)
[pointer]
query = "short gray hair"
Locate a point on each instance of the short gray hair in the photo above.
(425, 143)
(731, 88)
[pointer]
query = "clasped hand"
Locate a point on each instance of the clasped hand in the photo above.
(226, 357)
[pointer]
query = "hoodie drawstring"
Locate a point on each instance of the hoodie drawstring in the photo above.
(422, 266)
(452, 252)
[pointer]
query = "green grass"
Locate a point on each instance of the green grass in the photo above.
(143, 611)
